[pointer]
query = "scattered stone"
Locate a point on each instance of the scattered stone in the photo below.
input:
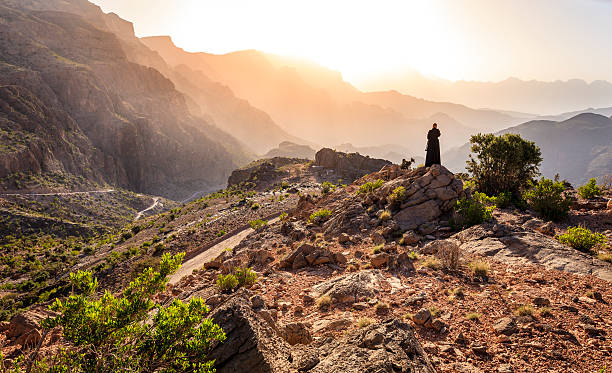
(410, 238)
(352, 287)
(296, 333)
(506, 326)
(422, 317)
(461, 340)
(541, 302)
(344, 238)
(379, 260)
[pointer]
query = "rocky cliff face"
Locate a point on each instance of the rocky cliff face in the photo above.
(349, 166)
(73, 102)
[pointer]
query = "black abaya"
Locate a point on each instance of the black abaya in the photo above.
(433, 147)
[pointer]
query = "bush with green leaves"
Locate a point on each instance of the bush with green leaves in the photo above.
(397, 197)
(227, 283)
(590, 190)
(246, 276)
(319, 216)
(505, 163)
(258, 224)
(326, 186)
(471, 211)
(130, 332)
(370, 187)
(581, 238)
(548, 198)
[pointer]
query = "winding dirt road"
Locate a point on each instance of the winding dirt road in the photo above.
(153, 205)
(197, 262)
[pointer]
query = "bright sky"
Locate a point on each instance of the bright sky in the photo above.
(453, 39)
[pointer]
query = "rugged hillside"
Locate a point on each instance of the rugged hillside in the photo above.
(72, 102)
(288, 149)
(315, 103)
(372, 284)
(578, 148)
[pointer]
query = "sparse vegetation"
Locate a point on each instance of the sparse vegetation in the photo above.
(479, 268)
(327, 187)
(385, 215)
(473, 316)
(590, 190)
(284, 216)
(370, 187)
(377, 249)
(227, 283)
(525, 310)
(545, 311)
(110, 334)
(319, 216)
(381, 307)
(432, 262)
(258, 224)
(470, 212)
(449, 256)
(606, 257)
(221, 233)
(324, 302)
(246, 277)
(365, 322)
(581, 238)
(397, 197)
(547, 197)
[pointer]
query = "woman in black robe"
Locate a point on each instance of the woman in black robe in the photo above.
(433, 146)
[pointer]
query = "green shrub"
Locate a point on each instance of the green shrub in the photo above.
(370, 187)
(111, 334)
(397, 197)
(590, 190)
(581, 238)
(221, 233)
(469, 212)
(284, 216)
(504, 163)
(327, 187)
(227, 283)
(503, 200)
(258, 224)
(245, 276)
(547, 197)
(320, 216)
(385, 215)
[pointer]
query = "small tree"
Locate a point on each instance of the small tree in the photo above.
(131, 332)
(505, 163)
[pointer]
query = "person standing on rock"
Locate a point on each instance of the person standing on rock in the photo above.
(433, 146)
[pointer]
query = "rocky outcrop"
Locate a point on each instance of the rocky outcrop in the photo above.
(287, 149)
(349, 166)
(387, 347)
(519, 246)
(255, 344)
(252, 344)
(262, 174)
(351, 288)
(428, 194)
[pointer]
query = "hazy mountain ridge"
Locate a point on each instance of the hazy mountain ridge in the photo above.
(316, 104)
(128, 126)
(511, 94)
(577, 148)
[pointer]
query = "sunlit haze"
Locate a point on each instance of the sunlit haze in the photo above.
(470, 40)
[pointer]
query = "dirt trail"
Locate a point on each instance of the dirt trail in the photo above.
(59, 194)
(198, 261)
(153, 205)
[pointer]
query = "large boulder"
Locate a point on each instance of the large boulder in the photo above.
(253, 343)
(387, 347)
(351, 288)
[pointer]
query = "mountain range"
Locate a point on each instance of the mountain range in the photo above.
(577, 149)
(514, 95)
(80, 94)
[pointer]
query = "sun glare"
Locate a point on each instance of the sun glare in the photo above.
(354, 37)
